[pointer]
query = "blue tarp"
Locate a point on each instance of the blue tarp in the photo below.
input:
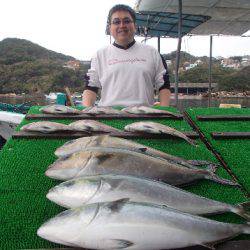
(165, 24)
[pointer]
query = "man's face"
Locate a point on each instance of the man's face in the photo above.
(122, 27)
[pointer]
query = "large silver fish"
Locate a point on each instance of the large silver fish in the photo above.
(45, 127)
(121, 161)
(59, 109)
(101, 110)
(106, 188)
(91, 126)
(146, 110)
(156, 128)
(136, 226)
(80, 144)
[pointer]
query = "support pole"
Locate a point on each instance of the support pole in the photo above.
(210, 71)
(159, 44)
(178, 53)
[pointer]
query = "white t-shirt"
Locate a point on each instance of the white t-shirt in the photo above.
(126, 76)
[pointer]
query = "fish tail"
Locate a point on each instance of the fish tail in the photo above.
(212, 167)
(201, 163)
(241, 210)
(192, 142)
(246, 228)
(212, 176)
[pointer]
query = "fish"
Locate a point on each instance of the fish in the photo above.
(156, 128)
(106, 160)
(106, 188)
(123, 224)
(91, 126)
(94, 110)
(45, 127)
(59, 109)
(82, 143)
(147, 110)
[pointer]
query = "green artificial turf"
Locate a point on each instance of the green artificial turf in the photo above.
(23, 185)
(236, 152)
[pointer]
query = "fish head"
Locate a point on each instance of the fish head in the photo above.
(67, 148)
(74, 193)
(45, 127)
(69, 227)
(54, 109)
(70, 166)
(79, 144)
(142, 127)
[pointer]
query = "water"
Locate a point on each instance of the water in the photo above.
(215, 102)
(30, 99)
(182, 103)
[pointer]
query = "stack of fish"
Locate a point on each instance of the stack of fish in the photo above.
(90, 126)
(122, 195)
(96, 110)
(86, 126)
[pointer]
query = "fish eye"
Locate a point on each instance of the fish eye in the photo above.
(88, 127)
(69, 183)
(66, 157)
(45, 127)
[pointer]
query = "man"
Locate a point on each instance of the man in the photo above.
(126, 71)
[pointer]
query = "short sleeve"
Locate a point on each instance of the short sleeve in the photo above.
(161, 75)
(93, 76)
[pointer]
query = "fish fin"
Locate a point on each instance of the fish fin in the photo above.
(200, 163)
(104, 185)
(107, 186)
(242, 210)
(115, 206)
(116, 243)
(192, 142)
(209, 245)
(96, 212)
(245, 205)
(212, 176)
(101, 158)
(246, 228)
(212, 167)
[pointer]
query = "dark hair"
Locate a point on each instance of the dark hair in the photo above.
(121, 7)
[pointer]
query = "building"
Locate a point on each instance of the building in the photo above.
(193, 88)
(230, 63)
(72, 64)
(245, 62)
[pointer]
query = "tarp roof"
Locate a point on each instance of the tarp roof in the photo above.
(165, 24)
(228, 17)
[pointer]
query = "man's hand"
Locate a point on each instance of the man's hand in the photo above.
(164, 96)
(88, 98)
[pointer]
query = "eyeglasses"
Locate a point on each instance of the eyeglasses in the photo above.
(117, 21)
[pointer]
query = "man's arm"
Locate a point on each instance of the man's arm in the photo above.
(88, 98)
(164, 91)
(164, 96)
(92, 84)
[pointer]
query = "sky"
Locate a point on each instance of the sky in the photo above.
(77, 28)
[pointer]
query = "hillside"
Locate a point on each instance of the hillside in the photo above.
(30, 68)
(13, 50)
(26, 67)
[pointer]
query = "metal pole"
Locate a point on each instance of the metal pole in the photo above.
(210, 71)
(178, 52)
(159, 44)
